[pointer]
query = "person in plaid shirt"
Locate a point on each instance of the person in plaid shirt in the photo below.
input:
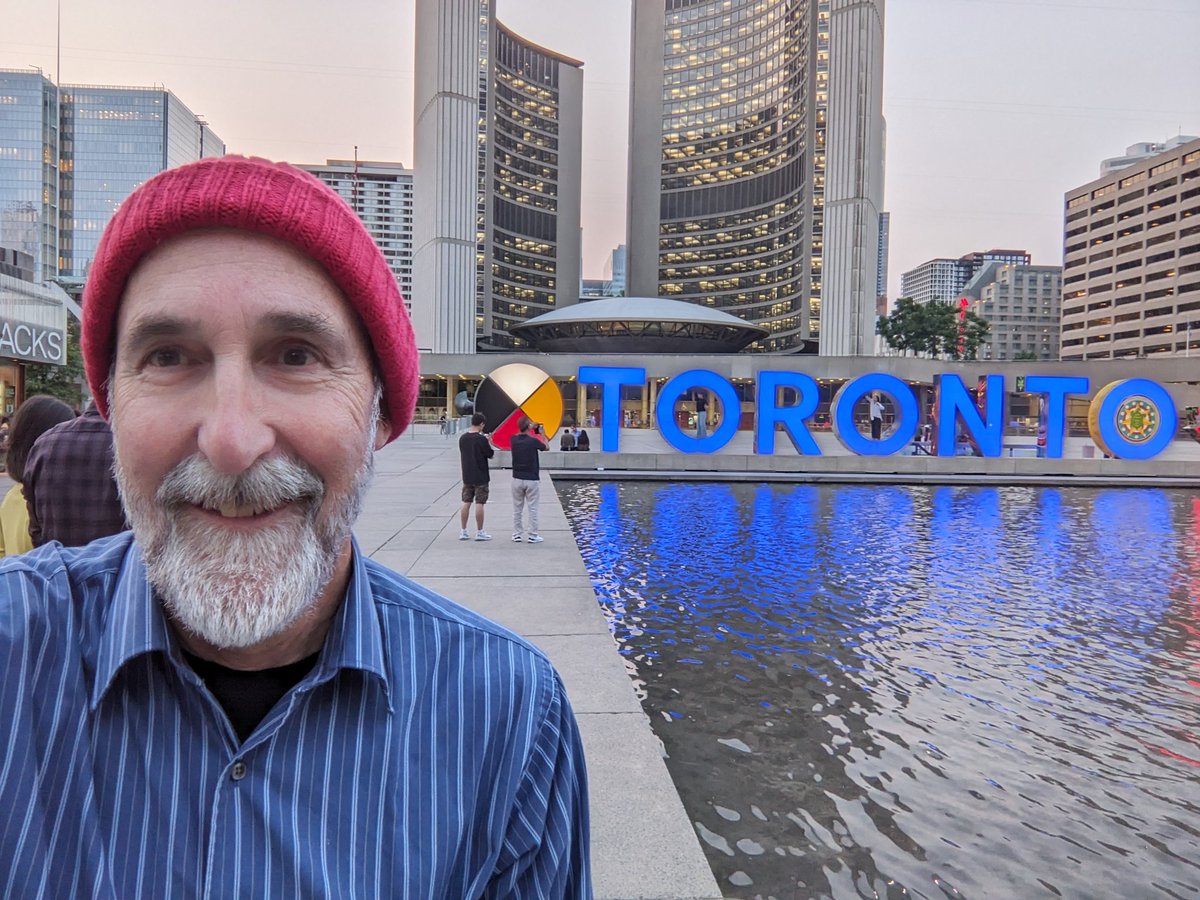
(69, 484)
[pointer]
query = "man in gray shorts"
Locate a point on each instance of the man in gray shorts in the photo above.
(475, 450)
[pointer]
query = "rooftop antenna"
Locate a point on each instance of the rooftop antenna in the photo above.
(354, 181)
(57, 143)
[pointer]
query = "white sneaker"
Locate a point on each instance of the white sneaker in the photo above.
(516, 539)
(482, 536)
(463, 536)
(536, 539)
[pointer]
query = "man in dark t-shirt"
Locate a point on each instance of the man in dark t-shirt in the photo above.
(475, 450)
(527, 477)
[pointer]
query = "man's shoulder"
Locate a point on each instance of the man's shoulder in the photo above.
(409, 605)
(52, 583)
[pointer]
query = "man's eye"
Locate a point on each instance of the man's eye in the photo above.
(167, 356)
(296, 356)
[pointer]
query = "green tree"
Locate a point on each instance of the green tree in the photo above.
(1026, 354)
(932, 330)
(65, 381)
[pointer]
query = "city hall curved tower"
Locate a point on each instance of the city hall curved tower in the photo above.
(498, 150)
(756, 164)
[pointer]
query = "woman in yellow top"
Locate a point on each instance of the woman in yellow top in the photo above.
(35, 416)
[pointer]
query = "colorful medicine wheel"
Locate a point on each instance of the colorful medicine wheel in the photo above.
(517, 390)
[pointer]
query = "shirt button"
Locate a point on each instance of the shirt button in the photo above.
(238, 772)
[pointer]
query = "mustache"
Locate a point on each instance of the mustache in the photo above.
(267, 484)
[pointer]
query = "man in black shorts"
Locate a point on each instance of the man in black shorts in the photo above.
(475, 450)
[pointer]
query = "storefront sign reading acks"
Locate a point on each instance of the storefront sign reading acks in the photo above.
(33, 343)
(1130, 419)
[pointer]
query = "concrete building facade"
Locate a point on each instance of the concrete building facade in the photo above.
(945, 279)
(1131, 260)
(756, 164)
(1023, 305)
(382, 195)
(498, 143)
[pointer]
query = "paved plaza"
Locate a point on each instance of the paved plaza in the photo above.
(643, 844)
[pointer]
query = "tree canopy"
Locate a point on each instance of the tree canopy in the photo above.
(932, 330)
(64, 382)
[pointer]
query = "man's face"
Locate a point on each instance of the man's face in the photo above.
(244, 416)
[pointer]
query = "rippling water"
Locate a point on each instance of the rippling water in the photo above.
(908, 691)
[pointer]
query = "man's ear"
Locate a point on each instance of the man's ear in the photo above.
(383, 433)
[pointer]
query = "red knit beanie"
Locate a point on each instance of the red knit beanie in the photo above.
(274, 199)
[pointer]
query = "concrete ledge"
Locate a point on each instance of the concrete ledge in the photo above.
(884, 469)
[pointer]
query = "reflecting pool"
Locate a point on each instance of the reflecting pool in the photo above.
(912, 691)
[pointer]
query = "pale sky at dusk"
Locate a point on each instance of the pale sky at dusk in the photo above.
(995, 108)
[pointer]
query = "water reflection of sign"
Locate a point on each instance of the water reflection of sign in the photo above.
(21, 340)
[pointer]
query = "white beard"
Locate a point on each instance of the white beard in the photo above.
(236, 589)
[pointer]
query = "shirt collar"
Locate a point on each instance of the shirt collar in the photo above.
(136, 624)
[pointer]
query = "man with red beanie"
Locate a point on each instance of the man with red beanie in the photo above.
(231, 700)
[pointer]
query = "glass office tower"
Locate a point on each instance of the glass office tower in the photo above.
(28, 153)
(756, 164)
(113, 140)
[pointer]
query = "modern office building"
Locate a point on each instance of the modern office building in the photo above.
(944, 279)
(615, 271)
(1022, 304)
(498, 150)
(70, 155)
(756, 164)
(382, 195)
(1135, 153)
(28, 172)
(113, 140)
(1131, 260)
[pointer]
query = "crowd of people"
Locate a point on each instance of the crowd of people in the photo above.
(63, 487)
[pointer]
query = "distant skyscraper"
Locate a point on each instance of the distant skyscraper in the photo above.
(114, 139)
(944, 279)
(1131, 260)
(498, 153)
(615, 272)
(382, 195)
(88, 147)
(28, 182)
(756, 164)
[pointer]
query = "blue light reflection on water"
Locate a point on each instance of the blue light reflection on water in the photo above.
(903, 691)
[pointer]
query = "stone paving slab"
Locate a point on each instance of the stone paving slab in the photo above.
(631, 794)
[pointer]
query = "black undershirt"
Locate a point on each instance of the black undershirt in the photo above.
(247, 697)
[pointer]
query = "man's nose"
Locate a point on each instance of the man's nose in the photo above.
(234, 428)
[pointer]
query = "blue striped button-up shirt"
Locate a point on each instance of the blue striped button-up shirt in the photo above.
(429, 752)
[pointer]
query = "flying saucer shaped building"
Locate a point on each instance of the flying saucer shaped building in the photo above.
(638, 325)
